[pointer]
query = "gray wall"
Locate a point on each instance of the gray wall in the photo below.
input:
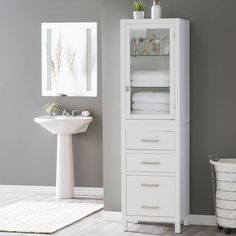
(213, 96)
(27, 151)
(113, 11)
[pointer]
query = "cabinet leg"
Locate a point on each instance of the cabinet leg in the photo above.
(125, 225)
(186, 221)
(177, 227)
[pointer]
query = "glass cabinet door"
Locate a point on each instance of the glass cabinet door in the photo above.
(150, 71)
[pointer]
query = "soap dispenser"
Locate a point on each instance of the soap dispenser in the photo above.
(156, 9)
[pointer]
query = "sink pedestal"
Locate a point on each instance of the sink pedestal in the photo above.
(65, 167)
(64, 127)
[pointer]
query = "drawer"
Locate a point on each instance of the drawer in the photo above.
(150, 140)
(150, 196)
(146, 162)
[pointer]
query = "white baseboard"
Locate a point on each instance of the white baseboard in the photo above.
(202, 220)
(82, 192)
(111, 216)
(193, 219)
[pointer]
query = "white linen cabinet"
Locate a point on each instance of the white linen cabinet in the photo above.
(155, 121)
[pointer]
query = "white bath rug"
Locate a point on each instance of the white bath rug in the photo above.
(43, 217)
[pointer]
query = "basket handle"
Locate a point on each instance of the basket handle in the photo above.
(213, 157)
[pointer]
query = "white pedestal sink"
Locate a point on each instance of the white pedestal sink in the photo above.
(64, 127)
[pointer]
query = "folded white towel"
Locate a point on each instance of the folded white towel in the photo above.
(145, 106)
(150, 112)
(150, 75)
(150, 83)
(153, 97)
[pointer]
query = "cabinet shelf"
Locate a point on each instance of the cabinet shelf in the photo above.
(150, 86)
(150, 113)
(160, 55)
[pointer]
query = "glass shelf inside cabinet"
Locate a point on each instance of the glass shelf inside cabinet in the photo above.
(160, 55)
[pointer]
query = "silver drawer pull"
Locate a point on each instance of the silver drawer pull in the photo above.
(150, 207)
(150, 163)
(150, 185)
(150, 140)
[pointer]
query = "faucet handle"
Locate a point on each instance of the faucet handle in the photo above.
(65, 113)
(75, 113)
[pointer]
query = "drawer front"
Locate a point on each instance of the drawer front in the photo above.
(151, 196)
(146, 162)
(150, 140)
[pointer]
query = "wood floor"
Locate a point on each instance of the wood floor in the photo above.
(95, 226)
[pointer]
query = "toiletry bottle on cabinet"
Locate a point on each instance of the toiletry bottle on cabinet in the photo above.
(156, 9)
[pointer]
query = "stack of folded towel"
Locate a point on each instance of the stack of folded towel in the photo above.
(150, 78)
(151, 103)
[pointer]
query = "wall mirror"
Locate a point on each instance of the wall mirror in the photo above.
(69, 59)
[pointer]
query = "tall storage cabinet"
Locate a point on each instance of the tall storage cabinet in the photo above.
(155, 121)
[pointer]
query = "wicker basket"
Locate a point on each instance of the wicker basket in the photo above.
(224, 189)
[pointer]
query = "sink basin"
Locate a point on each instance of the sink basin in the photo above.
(64, 124)
(64, 127)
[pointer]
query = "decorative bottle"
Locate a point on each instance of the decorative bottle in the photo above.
(156, 45)
(156, 9)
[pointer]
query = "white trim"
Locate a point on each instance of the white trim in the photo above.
(114, 216)
(202, 220)
(193, 219)
(51, 190)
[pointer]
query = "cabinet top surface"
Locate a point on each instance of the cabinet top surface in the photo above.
(145, 21)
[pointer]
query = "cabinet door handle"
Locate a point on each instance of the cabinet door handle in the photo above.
(150, 185)
(150, 163)
(150, 140)
(150, 207)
